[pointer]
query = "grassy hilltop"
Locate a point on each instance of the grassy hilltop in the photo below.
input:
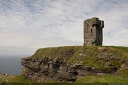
(102, 57)
(109, 59)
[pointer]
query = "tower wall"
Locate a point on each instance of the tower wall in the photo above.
(93, 31)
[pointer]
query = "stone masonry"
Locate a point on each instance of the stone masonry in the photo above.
(93, 32)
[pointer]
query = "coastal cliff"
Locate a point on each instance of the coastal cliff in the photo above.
(71, 63)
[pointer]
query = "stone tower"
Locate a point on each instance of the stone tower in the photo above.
(93, 31)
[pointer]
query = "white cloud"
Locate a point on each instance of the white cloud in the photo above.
(33, 24)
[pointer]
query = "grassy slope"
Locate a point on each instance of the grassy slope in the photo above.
(14, 79)
(109, 79)
(87, 55)
(102, 79)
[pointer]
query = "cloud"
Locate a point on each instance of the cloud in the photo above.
(26, 25)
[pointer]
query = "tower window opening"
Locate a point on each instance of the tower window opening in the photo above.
(91, 30)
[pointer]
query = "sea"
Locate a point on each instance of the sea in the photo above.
(11, 64)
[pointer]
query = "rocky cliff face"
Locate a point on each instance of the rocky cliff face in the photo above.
(73, 62)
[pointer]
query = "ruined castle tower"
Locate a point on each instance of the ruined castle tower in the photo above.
(93, 31)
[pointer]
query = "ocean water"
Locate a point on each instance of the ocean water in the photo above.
(11, 64)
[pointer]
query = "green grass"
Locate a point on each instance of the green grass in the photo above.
(102, 79)
(123, 73)
(20, 80)
(56, 52)
(14, 79)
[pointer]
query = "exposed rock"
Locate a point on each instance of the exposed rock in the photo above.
(81, 62)
(55, 69)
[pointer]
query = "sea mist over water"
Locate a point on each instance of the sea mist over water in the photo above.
(11, 64)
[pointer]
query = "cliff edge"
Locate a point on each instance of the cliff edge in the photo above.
(70, 63)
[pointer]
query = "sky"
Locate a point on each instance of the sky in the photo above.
(27, 25)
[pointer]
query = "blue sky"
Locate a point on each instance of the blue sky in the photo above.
(26, 25)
